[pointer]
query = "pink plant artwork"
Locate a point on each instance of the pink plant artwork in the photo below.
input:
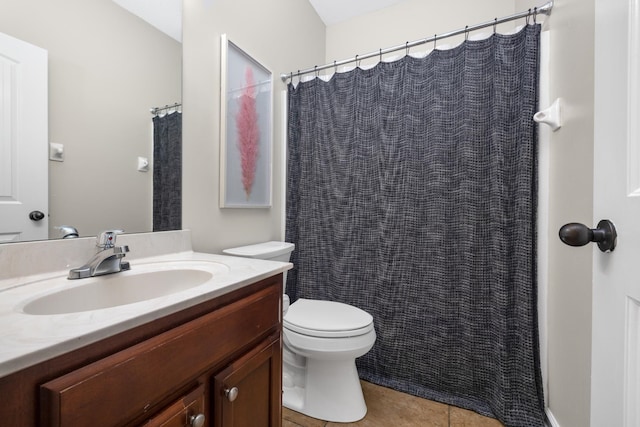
(248, 132)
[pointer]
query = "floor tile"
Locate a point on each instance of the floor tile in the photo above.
(296, 419)
(387, 407)
(463, 418)
(391, 408)
(287, 423)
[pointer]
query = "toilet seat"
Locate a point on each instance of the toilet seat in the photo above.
(327, 319)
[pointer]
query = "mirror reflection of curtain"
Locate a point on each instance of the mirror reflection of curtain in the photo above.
(167, 172)
(411, 193)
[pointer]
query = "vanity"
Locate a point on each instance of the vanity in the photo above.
(205, 355)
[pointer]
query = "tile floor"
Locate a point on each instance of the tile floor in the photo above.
(390, 408)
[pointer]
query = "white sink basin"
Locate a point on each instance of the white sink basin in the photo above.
(141, 283)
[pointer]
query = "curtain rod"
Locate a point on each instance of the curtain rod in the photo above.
(156, 110)
(544, 9)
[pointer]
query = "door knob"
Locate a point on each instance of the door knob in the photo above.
(231, 394)
(36, 215)
(576, 234)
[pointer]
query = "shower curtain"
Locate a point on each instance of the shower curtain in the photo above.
(411, 193)
(167, 172)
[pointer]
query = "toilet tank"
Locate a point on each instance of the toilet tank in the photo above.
(274, 251)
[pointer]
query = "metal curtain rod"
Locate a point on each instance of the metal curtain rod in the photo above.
(544, 9)
(156, 110)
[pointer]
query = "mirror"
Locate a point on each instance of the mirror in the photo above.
(107, 68)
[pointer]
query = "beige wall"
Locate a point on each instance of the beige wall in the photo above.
(571, 31)
(283, 35)
(407, 21)
(107, 68)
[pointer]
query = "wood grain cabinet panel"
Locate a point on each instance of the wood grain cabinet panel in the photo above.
(149, 383)
(248, 392)
(183, 412)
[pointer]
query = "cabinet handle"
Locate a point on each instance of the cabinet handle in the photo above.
(196, 420)
(231, 394)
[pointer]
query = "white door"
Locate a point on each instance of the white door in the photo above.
(615, 386)
(23, 141)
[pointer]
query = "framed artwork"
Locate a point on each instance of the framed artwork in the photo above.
(245, 130)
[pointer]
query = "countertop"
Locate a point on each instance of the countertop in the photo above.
(27, 339)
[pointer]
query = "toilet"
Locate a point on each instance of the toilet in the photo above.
(322, 340)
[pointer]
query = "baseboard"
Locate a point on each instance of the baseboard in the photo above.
(551, 419)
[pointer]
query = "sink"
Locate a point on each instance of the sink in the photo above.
(141, 283)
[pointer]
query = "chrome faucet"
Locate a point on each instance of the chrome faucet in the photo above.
(67, 231)
(108, 259)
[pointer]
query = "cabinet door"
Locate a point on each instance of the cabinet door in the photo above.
(248, 393)
(187, 411)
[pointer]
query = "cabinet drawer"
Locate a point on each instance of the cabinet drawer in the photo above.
(126, 385)
(180, 413)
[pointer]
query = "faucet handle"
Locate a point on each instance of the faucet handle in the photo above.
(107, 238)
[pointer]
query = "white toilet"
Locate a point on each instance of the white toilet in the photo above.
(322, 339)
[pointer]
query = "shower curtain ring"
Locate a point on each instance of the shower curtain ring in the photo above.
(535, 15)
(435, 41)
(466, 32)
(357, 63)
(528, 17)
(335, 67)
(406, 47)
(495, 23)
(315, 69)
(380, 54)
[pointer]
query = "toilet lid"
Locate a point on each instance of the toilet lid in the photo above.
(319, 318)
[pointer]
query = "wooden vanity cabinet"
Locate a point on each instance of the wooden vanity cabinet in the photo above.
(176, 375)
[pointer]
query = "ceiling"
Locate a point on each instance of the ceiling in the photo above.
(334, 11)
(166, 15)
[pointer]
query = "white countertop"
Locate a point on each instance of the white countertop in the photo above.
(27, 339)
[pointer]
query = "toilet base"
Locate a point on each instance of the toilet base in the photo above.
(327, 390)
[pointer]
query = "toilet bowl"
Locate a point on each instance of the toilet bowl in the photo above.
(321, 339)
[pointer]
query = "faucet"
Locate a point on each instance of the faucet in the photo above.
(108, 259)
(67, 231)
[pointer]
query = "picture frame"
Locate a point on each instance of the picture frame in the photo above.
(246, 121)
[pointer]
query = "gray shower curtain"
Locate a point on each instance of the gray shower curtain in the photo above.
(411, 193)
(167, 172)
